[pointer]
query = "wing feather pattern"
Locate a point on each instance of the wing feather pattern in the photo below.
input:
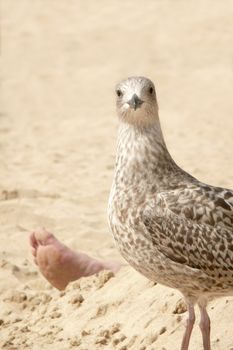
(194, 227)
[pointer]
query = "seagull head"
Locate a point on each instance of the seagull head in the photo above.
(136, 101)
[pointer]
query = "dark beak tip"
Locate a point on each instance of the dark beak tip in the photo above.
(135, 102)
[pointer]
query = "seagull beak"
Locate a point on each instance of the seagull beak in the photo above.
(135, 102)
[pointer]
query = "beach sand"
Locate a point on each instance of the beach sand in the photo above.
(60, 61)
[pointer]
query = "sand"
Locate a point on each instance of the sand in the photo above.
(60, 61)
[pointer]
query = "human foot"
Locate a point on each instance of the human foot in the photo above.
(59, 264)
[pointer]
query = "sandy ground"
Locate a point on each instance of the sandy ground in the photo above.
(60, 61)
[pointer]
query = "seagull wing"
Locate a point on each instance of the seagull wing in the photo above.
(201, 203)
(185, 238)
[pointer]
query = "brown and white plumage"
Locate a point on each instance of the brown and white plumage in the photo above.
(169, 226)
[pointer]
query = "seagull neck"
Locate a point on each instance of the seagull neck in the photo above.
(142, 155)
(137, 141)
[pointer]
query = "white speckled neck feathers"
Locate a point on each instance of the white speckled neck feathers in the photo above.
(142, 161)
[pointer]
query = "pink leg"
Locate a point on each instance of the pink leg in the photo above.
(189, 327)
(205, 327)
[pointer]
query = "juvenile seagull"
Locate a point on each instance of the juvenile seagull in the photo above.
(169, 226)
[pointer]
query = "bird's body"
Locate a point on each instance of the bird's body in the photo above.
(169, 226)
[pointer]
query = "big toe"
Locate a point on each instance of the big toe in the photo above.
(44, 237)
(33, 240)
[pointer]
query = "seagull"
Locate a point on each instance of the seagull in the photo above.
(170, 227)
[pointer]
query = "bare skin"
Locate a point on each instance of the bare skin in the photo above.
(60, 265)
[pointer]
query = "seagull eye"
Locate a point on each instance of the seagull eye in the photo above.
(119, 92)
(151, 90)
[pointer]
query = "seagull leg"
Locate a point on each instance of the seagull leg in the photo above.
(189, 327)
(205, 327)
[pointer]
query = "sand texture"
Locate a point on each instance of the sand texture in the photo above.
(59, 63)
